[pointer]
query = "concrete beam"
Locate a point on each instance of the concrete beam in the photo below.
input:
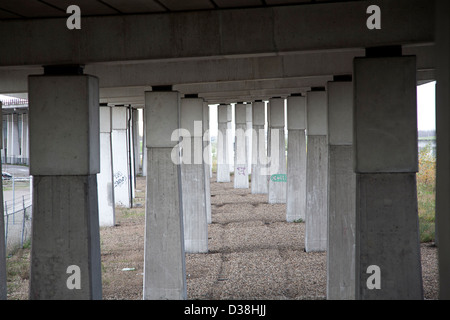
(296, 70)
(182, 35)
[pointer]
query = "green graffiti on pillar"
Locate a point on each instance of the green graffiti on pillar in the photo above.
(278, 178)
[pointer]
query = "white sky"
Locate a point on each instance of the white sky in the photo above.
(426, 106)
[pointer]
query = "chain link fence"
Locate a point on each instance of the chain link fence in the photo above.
(17, 212)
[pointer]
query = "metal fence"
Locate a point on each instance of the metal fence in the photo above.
(17, 213)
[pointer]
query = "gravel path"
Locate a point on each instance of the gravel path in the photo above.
(253, 253)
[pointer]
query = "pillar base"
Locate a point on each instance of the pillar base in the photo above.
(65, 232)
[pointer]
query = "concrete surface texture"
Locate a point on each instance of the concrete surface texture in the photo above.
(131, 56)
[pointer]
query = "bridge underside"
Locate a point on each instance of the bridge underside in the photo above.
(349, 92)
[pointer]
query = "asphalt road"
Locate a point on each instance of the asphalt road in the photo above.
(15, 170)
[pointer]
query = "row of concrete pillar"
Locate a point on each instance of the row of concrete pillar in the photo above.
(355, 182)
(15, 134)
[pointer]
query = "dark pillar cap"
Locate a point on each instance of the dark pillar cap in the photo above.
(64, 69)
(162, 88)
(386, 51)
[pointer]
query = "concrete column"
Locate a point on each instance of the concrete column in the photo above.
(137, 144)
(193, 177)
(144, 141)
(3, 291)
(13, 152)
(130, 153)
(443, 141)
(207, 160)
(223, 169)
(230, 138)
(259, 152)
(122, 191)
(341, 193)
(106, 203)
(296, 158)
(386, 162)
(24, 140)
(240, 147)
(248, 135)
(164, 257)
(317, 171)
(65, 159)
(277, 166)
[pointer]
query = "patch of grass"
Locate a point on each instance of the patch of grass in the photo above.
(426, 194)
(18, 265)
(131, 212)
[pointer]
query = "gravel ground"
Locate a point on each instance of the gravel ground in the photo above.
(253, 254)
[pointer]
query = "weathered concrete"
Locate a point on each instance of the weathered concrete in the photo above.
(241, 169)
(387, 236)
(277, 166)
(64, 153)
(385, 151)
(341, 224)
(164, 260)
(223, 169)
(119, 138)
(193, 177)
(317, 172)
(259, 152)
(105, 179)
(207, 160)
(386, 146)
(341, 193)
(443, 141)
(296, 159)
(248, 135)
(273, 29)
(3, 291)
(316, 194)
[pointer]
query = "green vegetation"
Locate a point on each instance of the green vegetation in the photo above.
(426, 192)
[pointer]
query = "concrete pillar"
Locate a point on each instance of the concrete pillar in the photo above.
(317, 171)
(13, 148)
(248, 135)
(106, 203)
(296, 158)
(24, 149)
(207, 157)
(230, 138)
(136, 144)
(193, 177)
(259, 152)
(443, 141)
(64, 152)
(341, 193)
(240, 147)
(119, 136)
(144, 141)
(386, 162)
(3, 291)
(277, 166)
(223, 168)
(130, 153)
(164, 257)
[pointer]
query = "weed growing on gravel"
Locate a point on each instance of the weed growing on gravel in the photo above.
(426, 192)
